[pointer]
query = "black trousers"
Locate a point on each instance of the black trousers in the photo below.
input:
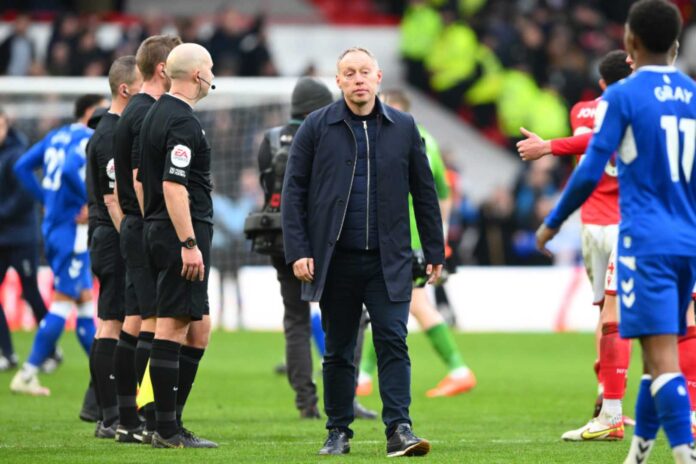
(355, 278)
(298, 334)
(24, 259)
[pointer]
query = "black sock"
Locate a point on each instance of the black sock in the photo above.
(142, 353)
(150, 418)
(188, 366)
(164, 371)
(105, 379)
(93, 370)
(126, 382)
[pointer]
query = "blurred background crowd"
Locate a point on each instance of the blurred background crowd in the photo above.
(497, 64)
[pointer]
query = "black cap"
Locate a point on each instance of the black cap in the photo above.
(309, 95)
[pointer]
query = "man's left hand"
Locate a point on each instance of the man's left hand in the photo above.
(544, 235)
(434, 272)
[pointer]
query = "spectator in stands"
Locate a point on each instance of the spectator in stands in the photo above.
(420, 28)
(88, 58)
(224, 45)
(535, 182)
(452, 61)
(255, 58)
(64, 39)
(17, 52)
(496, 228)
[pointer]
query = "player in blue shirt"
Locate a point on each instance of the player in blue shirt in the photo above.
(62, 192)
(650, 118)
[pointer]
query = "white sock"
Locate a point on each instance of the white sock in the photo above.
(29, 371)
(683, 454)
(639, 451)
(460, 372)
(611, 409)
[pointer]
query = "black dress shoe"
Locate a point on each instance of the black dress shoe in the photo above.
(361, 412)
(402, 442)
(310, 412)
(336, 443)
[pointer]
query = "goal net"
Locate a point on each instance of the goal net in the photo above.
(234, 117)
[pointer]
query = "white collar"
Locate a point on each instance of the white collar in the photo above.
(656, 68)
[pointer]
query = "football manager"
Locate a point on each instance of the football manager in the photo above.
(345, 221)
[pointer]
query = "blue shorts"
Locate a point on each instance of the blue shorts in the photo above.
(654, 292)
(67, 254)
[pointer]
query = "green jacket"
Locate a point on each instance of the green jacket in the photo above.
(420, 28)
(517, 98)
(488, 87)
(549, 116)
(453, 57)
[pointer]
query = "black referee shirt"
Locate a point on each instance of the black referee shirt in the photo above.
(101, 175)
(127, 149)
(174, 148)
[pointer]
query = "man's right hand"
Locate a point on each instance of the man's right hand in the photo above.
(533, 147)
(193, 267)
(303, 269)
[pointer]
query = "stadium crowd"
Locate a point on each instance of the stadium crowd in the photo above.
(502, 64)
(466, 55)
(236, 42)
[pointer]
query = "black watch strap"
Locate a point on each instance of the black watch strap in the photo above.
(189, 243)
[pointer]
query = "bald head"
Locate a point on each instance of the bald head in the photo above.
(186, 60)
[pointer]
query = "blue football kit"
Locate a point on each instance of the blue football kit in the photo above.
(650, 117)
(62, 191)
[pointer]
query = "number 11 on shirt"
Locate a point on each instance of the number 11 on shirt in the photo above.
(672, 127)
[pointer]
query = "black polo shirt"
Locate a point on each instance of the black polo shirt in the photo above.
(127, 149)
(101, 175)
(174, 148)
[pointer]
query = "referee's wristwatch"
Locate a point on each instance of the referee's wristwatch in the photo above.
(189, 243)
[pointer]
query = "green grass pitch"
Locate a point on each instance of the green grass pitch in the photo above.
(532, 388)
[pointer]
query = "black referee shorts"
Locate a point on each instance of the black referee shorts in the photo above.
(110, 269)
(176, 296)
(140, 288)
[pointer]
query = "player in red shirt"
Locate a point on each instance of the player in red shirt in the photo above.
(534, 148)
(600, 218)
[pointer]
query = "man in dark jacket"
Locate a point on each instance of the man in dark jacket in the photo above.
(346, 232)
(308, 95)
(18, 234)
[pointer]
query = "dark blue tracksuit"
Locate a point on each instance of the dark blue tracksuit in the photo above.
(345, 204)
(18, 229)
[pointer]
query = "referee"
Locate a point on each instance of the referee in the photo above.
(135, 340)
(175, 173)
(105, 217)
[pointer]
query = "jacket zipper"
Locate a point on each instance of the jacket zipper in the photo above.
(355, 162)
(367, 221)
